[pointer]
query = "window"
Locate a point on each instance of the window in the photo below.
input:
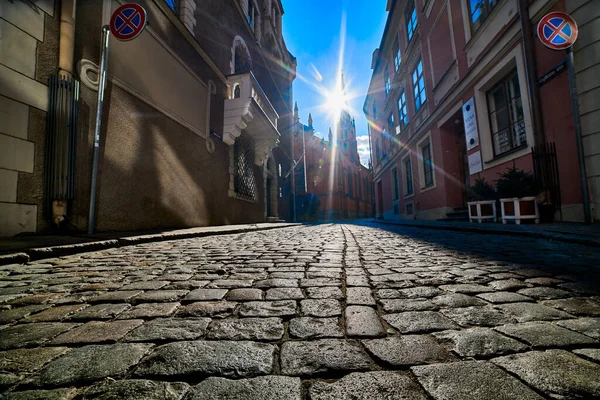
(251, 14)
(408, 176)
(244, 182)
(386, 77)
(411, 20)
(419, 85)
(480, 10)
(403, 122)
(397, 58)
(173, 5)
(427, 165)
(395, 188)
(391, 122)
(374, 111)
(506, 115)
(237, 93)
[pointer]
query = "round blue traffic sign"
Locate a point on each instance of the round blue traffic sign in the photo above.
(557, 30)
(128, 21)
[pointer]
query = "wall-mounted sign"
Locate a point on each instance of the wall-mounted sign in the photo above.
(128, 21)
(475, 163)
(552, 74)
(557, 30)
(470, 121)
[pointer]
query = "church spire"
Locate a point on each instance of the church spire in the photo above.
(310, 121)
(330, 137)
(296, 117)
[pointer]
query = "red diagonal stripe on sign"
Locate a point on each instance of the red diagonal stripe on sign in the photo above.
(557, 31)
(127, 21)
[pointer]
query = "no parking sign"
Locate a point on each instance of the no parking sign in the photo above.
(128, 21)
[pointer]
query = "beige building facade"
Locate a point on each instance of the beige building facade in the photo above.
(193, 116)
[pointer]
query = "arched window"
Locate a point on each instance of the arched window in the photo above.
(237, 92)
(242, 62)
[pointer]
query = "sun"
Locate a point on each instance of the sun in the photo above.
(335, 102)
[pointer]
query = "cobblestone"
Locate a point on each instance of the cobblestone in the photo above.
(307, 312)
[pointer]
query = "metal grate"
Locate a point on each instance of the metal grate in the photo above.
(244, 181)
(61, 133)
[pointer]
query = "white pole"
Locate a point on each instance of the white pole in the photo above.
(101, 84)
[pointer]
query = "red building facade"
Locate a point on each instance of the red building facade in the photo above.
(335, 185)
(455, 95)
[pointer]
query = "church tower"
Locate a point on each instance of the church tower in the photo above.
(346, 137)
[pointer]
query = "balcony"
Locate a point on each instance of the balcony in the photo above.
(248, 109)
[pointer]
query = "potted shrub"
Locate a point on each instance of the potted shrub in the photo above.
(518, 190)
(482, 206)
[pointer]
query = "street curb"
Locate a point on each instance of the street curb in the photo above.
(538, 235)
(40, 253)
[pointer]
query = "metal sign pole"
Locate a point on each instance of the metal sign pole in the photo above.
(101, 84)
(582, 170)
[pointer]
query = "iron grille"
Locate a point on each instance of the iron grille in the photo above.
(244, 181)
(61, 134)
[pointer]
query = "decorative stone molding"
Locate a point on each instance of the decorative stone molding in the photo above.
(187, 10)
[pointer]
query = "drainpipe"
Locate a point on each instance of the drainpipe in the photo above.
(65, 69)
(531, 72)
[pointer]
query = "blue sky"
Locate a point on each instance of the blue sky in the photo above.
(311, 29)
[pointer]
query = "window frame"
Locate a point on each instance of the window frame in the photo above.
(395, 184)
(388, 82)
(504, 82)
(251, 15)
(397, 57)
(428, 169)
(489, 6)
(419, 87)
(402, 111)
(411, 20)
(408, 177)
(391, 122)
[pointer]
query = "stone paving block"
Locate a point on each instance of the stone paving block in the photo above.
(57, 394)
(169, 329)
(27, 335)
(91, 363)
(357, 280)
(99, 311)
(389, 294)
(419, 321)
(214, 309)
(288, 275)
(246, 329)
(508, 284)
(320, 308)
(593, 354)
(400, 305)
(368, 386)
(55, 313)
(137, 389)
(231, 283)
(544, 292)
(260, 388)
(320, 282)
(557, 373)
(587, 326)
(315, 328)
(408, 350)
(324, 293)
(222, 358)
(246, 294)
(7, 380)
(323, 273)
(33, 299)
(166, 296)
(146, 285)
(205, 295)
(277, 283)
(362, 321)
(457, 300)
(324, 355)
(543, 281)
(478, 316)
(503, 297)
(525, 312)
(420, 292)
(118, 296)
(150, 310)
(467, 288)
(97, 332)
(360, 296)
(28, 360)
(479, 380)
(543, 334)
(479, 342)
(581, 288)
(577, 306)
(284, 294)
(15, 314)
(279, 308)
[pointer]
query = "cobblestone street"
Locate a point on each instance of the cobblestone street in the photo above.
(307, 312)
